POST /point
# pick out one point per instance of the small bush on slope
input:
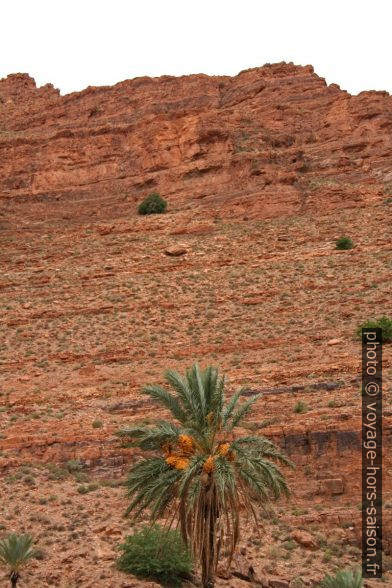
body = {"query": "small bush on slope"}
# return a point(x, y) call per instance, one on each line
point(383, 322)
point(344, 243)
point(157, 554)
point(300, 407)
point(152, 204)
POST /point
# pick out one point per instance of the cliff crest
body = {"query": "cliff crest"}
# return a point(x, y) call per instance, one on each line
point(272, 140)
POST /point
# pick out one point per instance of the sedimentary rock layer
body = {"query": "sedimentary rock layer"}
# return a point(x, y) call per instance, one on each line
point(272, 140)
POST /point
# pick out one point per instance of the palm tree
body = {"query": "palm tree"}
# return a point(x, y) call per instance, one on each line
point(15, 551)
point(343, 579)
point(199, 472)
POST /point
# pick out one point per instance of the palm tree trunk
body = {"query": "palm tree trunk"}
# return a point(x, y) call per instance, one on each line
point(209, 554)
point(208, 564)
point(14, 577)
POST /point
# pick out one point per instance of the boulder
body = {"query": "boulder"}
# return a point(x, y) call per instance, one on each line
point(176, 250)
point(334, 341)
point(305, 539)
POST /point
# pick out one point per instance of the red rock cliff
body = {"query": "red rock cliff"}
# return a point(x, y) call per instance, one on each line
point(271, 140)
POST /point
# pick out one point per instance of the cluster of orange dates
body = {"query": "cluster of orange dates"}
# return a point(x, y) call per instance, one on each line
point(179, 457)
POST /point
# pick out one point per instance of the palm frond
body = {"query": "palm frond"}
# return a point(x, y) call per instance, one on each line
point(228, 411)
point(150, 483)
point(167, 400)
point(241, 413)
point(181, 386)
point(209, 376)
point(218, 398)
point(260, 446)
point(150, 437)
point(16, 550)
point(224, 475)
point(343, 579)
point(192, 470)
point(195, 385)
point(201, 390)
point(262, 476)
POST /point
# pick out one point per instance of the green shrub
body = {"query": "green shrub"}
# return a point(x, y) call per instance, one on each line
point(343, 579)
point(39, 554)
point(344, 243)
point(156, 554)
point(56, 472)
point(83, 489)
point(74, 465)
point(152, 204)
point(300, 407)
point(289, 545)
point(86, 489)
point(383, 322)
point(81, 477)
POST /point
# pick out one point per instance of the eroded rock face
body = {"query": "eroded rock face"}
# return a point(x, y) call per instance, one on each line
point(272, 140)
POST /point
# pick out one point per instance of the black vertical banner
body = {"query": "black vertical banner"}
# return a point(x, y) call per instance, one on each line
point(372, 453)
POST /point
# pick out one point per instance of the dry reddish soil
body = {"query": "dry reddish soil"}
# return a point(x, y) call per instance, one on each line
point(92, 308)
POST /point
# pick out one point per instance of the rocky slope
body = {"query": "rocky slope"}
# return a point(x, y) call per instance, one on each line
point(262, 173)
